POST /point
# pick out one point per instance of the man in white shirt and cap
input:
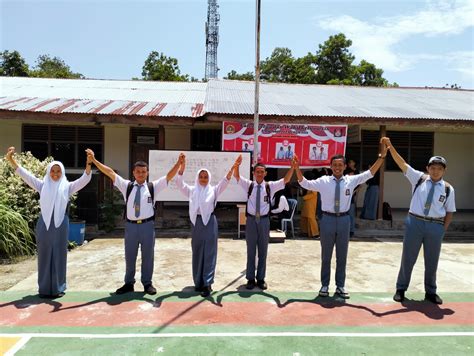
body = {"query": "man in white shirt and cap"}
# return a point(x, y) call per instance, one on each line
point(431, 211)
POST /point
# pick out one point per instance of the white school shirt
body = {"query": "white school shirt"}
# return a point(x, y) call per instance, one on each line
point(37, 183)
point(326, 186)
point(439, 205)
point(282, 205)
point(146, 201)
point(264, 202)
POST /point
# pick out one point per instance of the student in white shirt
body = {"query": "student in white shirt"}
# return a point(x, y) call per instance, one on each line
point(140, 219)
point(257, 227)
point(336, 193)
point(204, 233)
point(53, 223)
point(431, 211)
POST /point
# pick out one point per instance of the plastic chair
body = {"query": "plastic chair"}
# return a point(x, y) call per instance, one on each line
point(284, 222)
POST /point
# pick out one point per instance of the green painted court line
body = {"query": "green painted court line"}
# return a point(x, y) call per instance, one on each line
point(250, 346)
point(227, 296)
point(232, 329)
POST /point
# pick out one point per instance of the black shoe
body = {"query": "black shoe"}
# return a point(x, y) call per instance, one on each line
point(206, 291)
point(433, 298)
point(127, 287)
point(342, 292)
point(149, 289)
point(399, 296)
point(250, 284)
point(59, 295)
point(261, 284)
point(198, 289)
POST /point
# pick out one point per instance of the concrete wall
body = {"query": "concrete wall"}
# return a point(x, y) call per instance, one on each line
point(10, 135)
point(117, 148)
point(177, 138)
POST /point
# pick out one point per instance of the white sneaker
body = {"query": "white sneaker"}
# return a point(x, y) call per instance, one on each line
point(340, 291)
point(324, 291)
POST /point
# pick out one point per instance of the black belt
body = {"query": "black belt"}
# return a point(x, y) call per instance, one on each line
point(141, 221)
point(425, 218)
point(253, 216)
point(336, 214)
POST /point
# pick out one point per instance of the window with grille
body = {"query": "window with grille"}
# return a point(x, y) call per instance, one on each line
point(64, 143)
point(416, 148)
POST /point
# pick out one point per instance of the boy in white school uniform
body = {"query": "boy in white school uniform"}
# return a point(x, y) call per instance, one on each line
point(336, 193)
point(431, 211)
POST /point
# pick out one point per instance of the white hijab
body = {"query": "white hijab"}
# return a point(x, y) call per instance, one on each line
point(54, 196)
point(202, 198)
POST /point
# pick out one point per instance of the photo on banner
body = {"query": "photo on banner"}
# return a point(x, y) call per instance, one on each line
point(278, 143)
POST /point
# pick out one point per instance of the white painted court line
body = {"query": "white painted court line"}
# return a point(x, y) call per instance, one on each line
point(18, 345)
point(250, 334)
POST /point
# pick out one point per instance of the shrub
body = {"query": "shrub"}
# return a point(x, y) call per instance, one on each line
point(16, 237)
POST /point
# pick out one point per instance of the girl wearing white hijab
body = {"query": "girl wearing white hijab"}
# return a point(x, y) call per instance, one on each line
point(53, 224)
point(202, 201)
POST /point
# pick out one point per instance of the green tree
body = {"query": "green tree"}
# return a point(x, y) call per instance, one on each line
point(233, 75)
point(305, 71)
point(160, 67)
point(279, 67)
point(333, 59)
point(47, 67)
point(367, 74)
point(12, 64)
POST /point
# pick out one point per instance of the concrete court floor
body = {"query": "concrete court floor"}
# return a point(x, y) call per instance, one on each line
point(291, 266)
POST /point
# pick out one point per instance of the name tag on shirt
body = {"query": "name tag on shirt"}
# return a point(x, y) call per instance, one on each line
point(150, 200)
point(348, 192)
point(442, 198)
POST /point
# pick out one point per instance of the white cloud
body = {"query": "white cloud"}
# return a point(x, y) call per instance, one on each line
point(378, 42)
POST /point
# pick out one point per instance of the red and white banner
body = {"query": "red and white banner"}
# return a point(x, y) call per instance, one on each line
point(313, 144)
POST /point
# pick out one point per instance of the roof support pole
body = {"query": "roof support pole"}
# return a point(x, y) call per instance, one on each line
point(383, 132)
point(257, 82)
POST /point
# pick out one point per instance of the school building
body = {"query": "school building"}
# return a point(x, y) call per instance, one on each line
point(122, 120)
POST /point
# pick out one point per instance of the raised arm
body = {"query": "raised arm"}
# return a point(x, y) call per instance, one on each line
point(236, 167)
point(295, 164)
point(83, 180)
point(289, 174)
point(9, 157)
point(378, 163)
point(182, 186)
point(26, 175)
point(172, 172)
point(395, 155)
point(109, 172)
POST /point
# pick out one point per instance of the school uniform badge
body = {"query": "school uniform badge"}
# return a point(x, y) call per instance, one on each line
point(442, 198)
point(348, 192)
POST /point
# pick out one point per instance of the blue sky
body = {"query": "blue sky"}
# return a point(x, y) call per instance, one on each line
point(415, 42)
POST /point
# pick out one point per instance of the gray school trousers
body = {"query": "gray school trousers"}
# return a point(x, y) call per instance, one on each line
point(334, 230)
point(142, 235)
point(417, 233)
point(257, 235)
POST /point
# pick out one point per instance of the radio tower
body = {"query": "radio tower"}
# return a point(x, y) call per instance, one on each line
point(212, 39)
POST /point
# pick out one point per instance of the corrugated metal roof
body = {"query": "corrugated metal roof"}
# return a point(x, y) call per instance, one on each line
point(234, 97)
point(102, 97)
point(185, 99)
